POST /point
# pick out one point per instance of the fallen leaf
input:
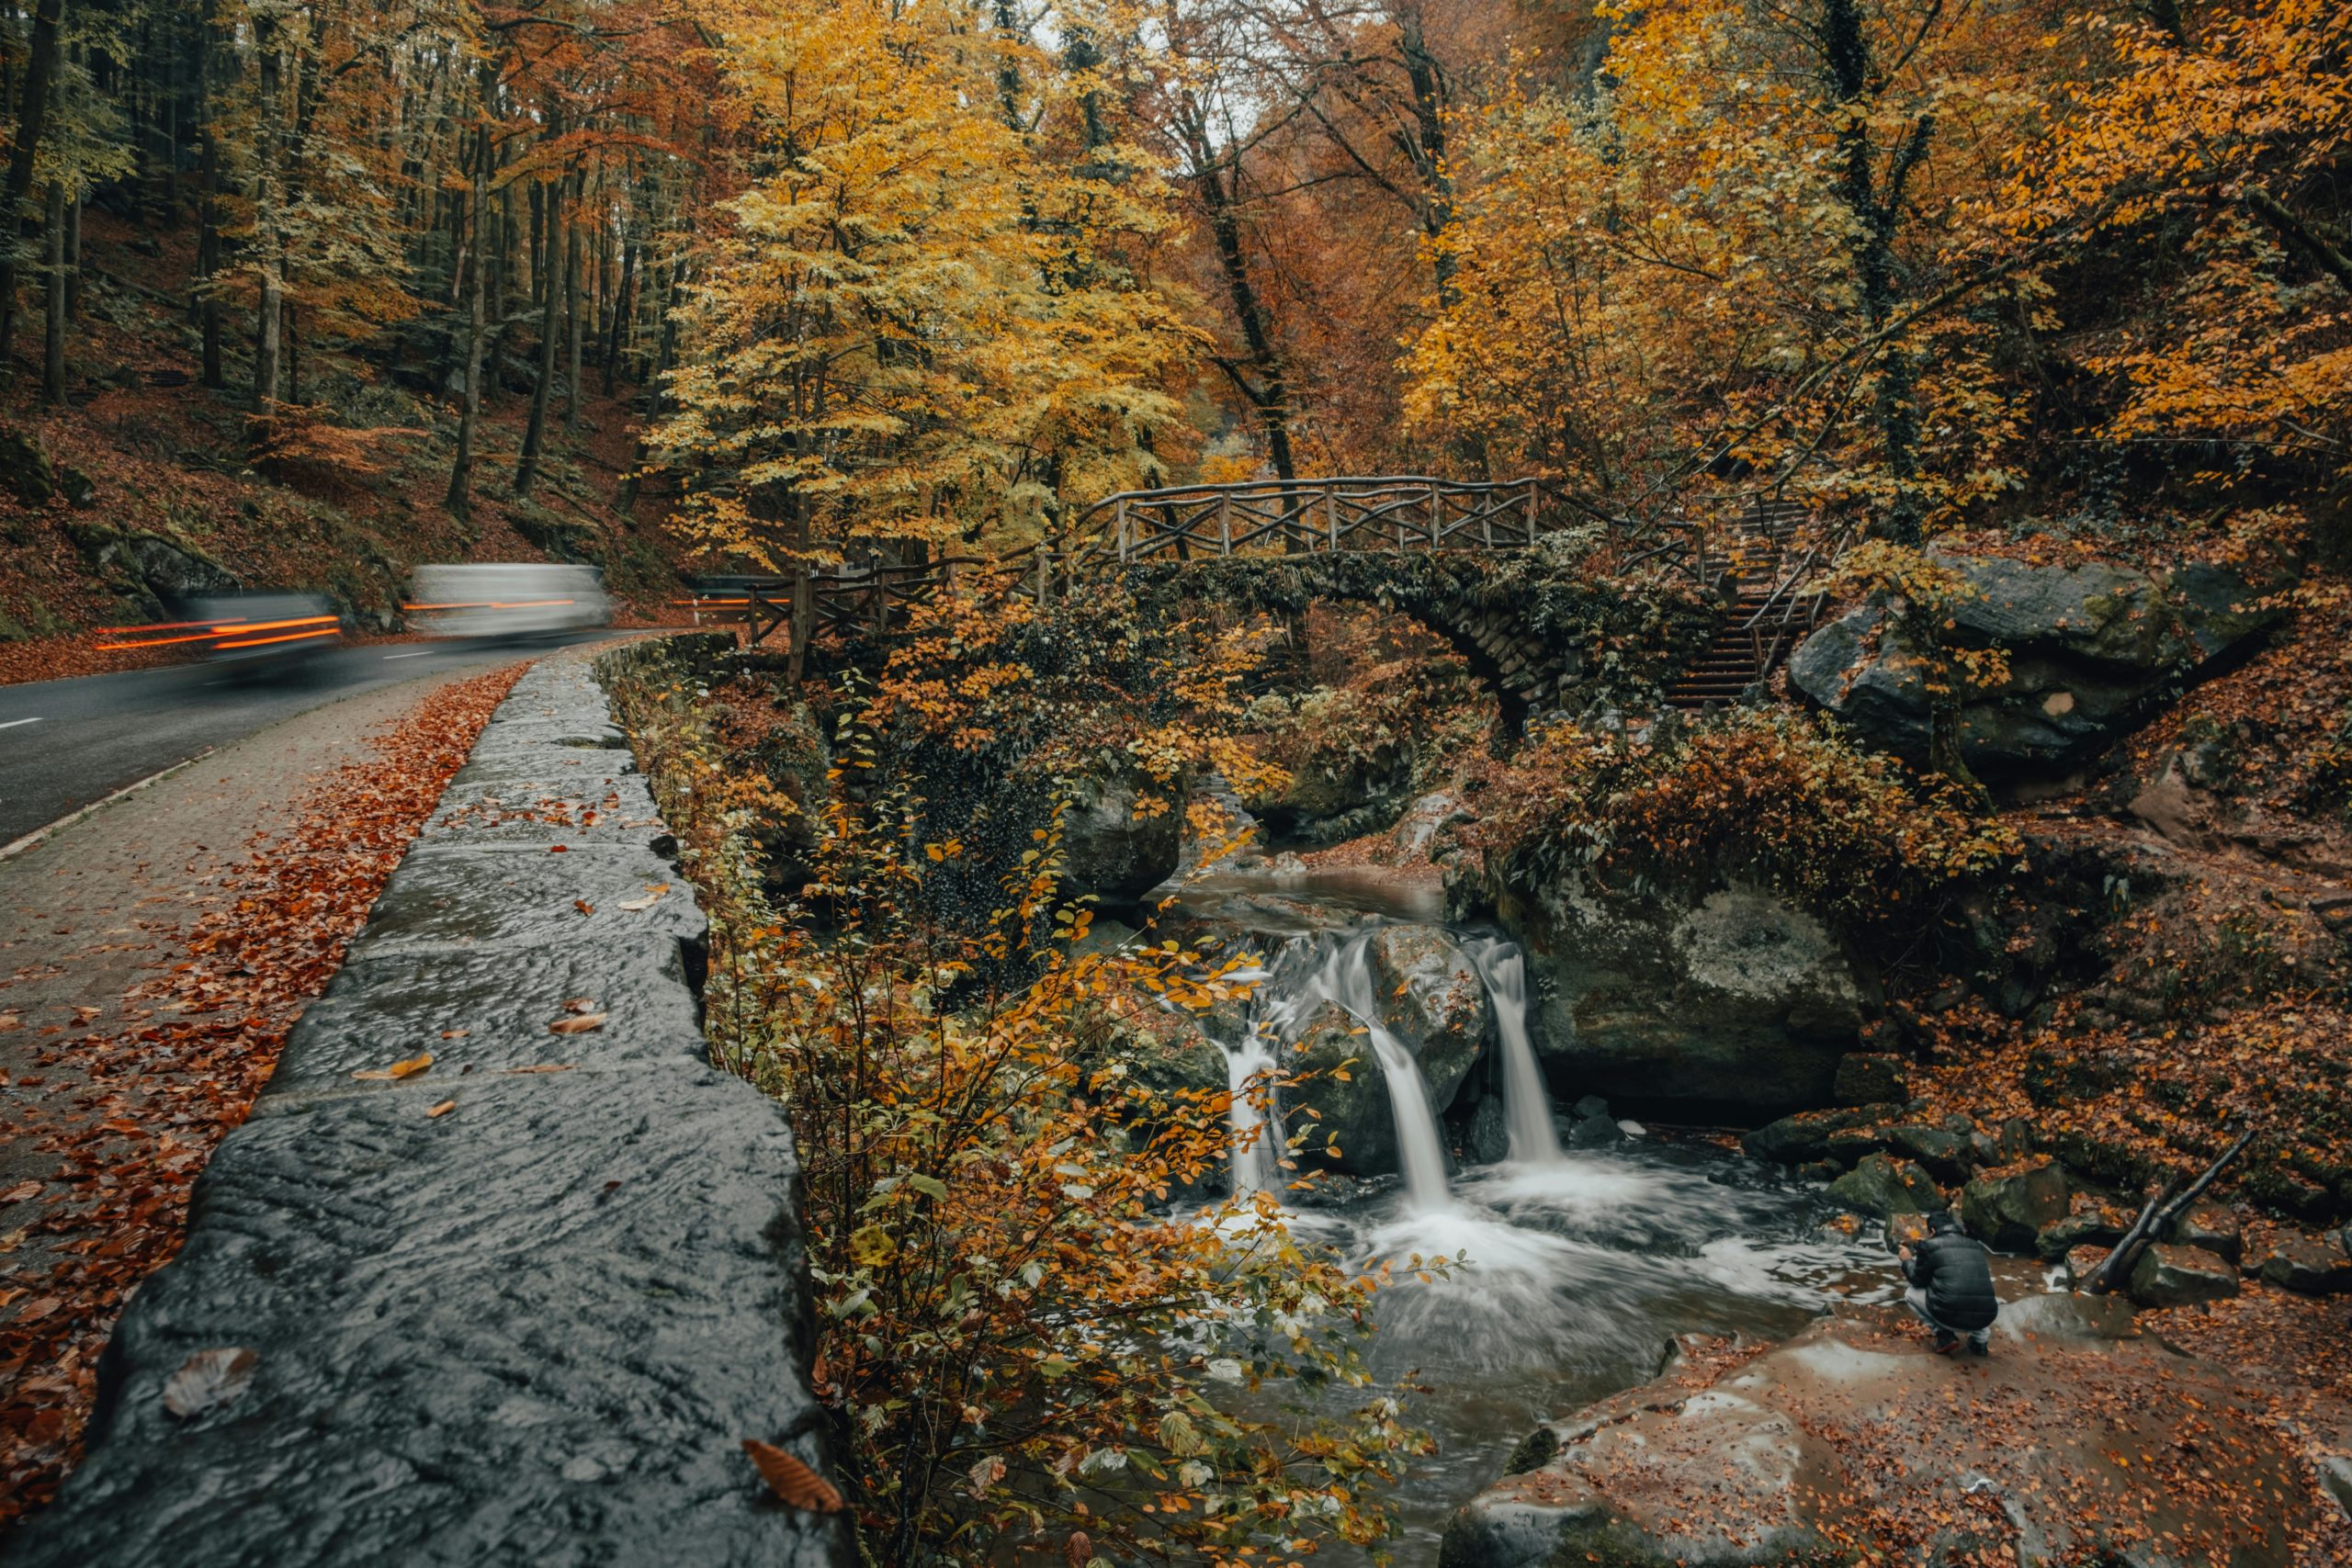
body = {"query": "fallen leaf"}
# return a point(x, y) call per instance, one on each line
point(578, 1024)
point(792, 1479)
point(398, 1070)
point(584, 906)
point(443, 1109)
point(543, 1068)
point(558, 849)
point(207, 1379)
point(652, 896)
point(1078, 1551)
point(580, 1004)
point(455, 1033)
point(21, 1192)
point(10, 1020)
point(39, 1308)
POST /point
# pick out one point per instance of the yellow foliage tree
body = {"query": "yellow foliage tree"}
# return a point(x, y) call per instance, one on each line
point(924, 321)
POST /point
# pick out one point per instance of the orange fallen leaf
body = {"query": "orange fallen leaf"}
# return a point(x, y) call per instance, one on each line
point(443, 1109)
point(543, 1068)
point(584, 906)
point(398, 1070)
point(455, 1033)
point(1078, 1550)
point(791, 1479)
point(20, 1191)
point(578, 1024)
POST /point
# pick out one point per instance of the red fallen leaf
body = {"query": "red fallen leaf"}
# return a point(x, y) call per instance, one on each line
point(578, 1024)
point(558, 849)
point(21, 1192)
point(1078, 1551)
point(543, 1068)
point(792, 1479)
point(208, 1378)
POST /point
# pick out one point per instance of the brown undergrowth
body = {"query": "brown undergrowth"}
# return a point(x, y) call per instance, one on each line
point(138, 1113)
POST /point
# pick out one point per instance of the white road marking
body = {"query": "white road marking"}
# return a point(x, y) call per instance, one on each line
point(38, 835)
point(424, 654)
point(13, 722)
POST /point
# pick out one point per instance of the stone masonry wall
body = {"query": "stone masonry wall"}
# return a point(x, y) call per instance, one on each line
point(532, 1328)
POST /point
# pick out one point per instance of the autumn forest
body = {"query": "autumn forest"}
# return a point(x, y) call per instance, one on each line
point(1238, 782)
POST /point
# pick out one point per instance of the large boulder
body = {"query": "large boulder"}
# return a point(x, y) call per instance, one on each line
point(2308, 1265)
point(1343, 1101)
point(2170, 1276)
point(1737, 1000)
point(2091, 649)
point(1430, 998)
point(1122, 835)
point(1882, 1187)
point(2007, 1210)
point(2065, 1447)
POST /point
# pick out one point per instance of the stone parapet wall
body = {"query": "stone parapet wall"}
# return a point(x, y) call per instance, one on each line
point(520, 1307)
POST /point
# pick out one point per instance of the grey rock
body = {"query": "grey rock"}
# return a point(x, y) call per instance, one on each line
point(1109, 850)
point(2097, 1227)
point(1884, 1187)
point(1431, 999)
point(2170, 1276)
point(1946, 1155)
point(1354, 1112)
point(2211, 1226)
point(2008, 1211)
point(1594, 1133)
point(1808, 1136)
point(2090, 647)
point(2308, 1265)
point(1736, 999)
point(1487, 1139)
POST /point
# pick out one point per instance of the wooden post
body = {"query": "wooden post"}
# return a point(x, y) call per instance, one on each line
point(1122, 532)
point(1331, 517)
point(1044, 549)
point(1531, 512)
point(1437, 518)
point(1225, 525)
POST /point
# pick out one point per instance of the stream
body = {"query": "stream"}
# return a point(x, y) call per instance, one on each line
point(1580, 1263)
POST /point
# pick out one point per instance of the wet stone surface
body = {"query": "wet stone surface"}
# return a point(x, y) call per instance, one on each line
point(501, 1317)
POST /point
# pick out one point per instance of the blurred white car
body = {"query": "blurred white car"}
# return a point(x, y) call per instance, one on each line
point(507, 600)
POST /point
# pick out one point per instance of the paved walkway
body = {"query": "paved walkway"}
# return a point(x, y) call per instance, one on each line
point(92, 921)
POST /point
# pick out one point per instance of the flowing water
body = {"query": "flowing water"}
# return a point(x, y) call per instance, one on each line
point(1575, 1268)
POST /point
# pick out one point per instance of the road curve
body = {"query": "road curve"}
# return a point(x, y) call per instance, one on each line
point(66, 743)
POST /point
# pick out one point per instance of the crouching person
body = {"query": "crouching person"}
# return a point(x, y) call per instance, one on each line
point(1952, 1286)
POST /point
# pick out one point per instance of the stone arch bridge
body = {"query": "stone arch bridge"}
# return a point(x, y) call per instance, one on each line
point(1501, 571)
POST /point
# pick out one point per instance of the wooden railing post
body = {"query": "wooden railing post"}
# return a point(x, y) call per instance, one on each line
point(1331, 517)
point(1225, 525)
point(1123, 531)
point(1437, 518)
point(1531, 513)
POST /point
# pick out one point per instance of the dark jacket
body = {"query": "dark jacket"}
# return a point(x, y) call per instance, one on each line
point(1957, 1275)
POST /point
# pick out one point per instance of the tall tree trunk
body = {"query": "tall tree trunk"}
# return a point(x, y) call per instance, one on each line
point(572, 304)
point(268, 211)
point(40, 72)
point(52, 359)
point(1270, 393)
point(620, 315)
point(552, 208)
point(460, 498)
point(208, 234)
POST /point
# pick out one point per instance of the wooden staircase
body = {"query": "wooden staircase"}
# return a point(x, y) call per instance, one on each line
point(1770, 611)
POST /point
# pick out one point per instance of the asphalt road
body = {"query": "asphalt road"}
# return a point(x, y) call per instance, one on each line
point(66, 743)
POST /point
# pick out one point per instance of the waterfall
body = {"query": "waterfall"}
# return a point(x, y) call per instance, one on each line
point(1256, 1132)
point(1527, 1104)
point(1337, 967)
point(1344, 976)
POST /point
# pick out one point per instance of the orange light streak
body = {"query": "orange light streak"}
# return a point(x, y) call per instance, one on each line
point(266, 641)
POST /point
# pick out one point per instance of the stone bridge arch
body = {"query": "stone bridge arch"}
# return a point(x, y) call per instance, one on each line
point(1538, 634)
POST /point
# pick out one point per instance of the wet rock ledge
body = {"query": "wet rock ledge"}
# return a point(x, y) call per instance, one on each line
point(520, 1307)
